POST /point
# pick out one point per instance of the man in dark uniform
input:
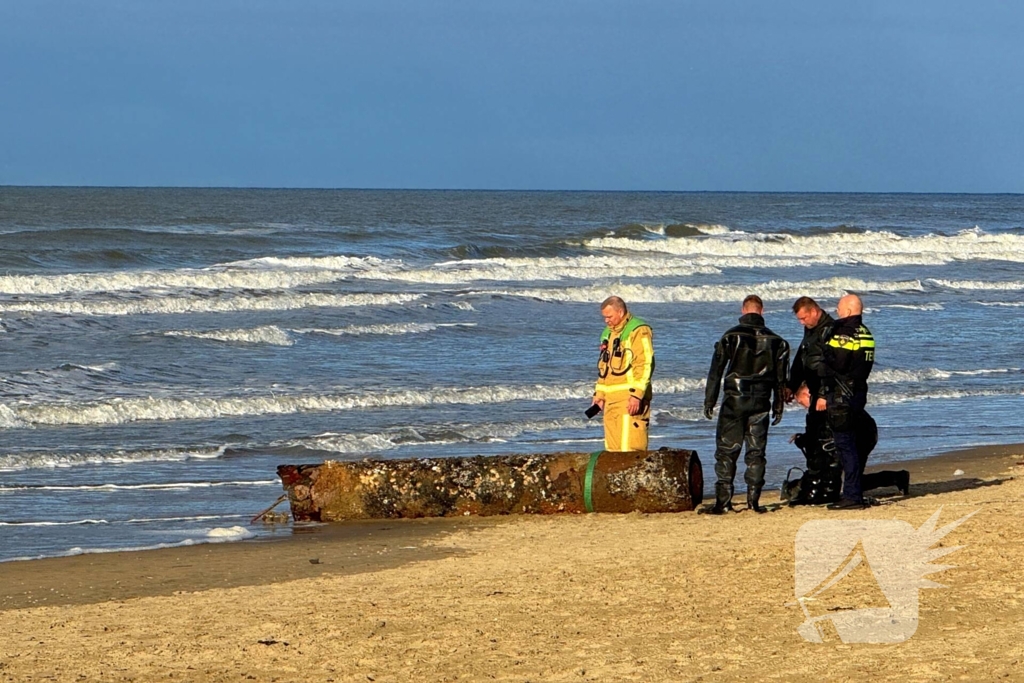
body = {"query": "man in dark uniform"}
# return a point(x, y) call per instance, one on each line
point(755, 363)
point(808, 361)
point(849, 357)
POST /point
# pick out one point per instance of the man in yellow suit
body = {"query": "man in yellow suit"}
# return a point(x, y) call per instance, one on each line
point(624, 369)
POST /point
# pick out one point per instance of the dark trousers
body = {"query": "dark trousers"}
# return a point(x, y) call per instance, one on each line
point(741, 421)
point(844, 415)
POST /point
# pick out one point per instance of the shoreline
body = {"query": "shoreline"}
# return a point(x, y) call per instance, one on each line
point(344, 548)
point(599, 597)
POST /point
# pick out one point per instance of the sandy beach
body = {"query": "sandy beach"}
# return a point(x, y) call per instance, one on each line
point(673, 597)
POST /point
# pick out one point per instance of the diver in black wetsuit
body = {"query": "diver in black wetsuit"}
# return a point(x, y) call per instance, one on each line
point(808, 362)
point(755, 364)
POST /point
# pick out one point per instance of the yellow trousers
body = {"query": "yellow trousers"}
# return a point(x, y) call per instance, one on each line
point(622, 431)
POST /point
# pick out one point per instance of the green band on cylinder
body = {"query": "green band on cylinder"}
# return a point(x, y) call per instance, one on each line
point(588, 482)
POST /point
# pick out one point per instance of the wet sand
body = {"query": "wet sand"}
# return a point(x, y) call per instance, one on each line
point(673, 597)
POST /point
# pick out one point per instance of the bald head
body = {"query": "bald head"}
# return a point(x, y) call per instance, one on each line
point(849, 305)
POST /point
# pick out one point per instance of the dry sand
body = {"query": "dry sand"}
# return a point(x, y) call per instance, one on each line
point(674, 597)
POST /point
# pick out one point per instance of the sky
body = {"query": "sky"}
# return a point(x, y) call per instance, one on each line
point(890, 96)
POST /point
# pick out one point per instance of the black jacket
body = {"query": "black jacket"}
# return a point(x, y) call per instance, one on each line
point(809, 363)
point(754, 360)
point(849, 356)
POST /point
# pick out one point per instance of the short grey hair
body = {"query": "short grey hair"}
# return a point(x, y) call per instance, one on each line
point(614, 302)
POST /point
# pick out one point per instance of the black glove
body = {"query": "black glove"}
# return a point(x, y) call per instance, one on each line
point(776, 415)
point(709, 412)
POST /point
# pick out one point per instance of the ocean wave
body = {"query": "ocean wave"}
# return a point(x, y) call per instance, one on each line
point(650, 230)
point(940, 395)
point(987, 285)
point(178, 485)
point(150, 408)
point(268, 334)
point(14, 462)
point(143, 520)
point(194, 518)
point(216, 304)
point(877, 248)
point(216, 535)
point(681, 414)
point(126, 410)
point(545, 269)
point(896, 376)
point(258, 274)
point(276, 336)
point(76, 522)
point(933, 306)
point(1002, 304)
point(435, 435)
point(382, 329)
point(774, 290)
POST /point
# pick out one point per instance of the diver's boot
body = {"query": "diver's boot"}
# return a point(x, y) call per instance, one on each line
point(723, 499)
point(753, 496)
point(903, 482)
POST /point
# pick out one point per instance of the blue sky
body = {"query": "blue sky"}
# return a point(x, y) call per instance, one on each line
point(911, 95)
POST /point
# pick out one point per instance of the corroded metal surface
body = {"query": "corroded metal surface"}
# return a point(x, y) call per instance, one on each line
point(653, 481)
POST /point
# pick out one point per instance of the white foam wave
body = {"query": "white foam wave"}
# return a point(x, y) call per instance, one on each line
point(450, 434)
point(1004, 304)
point(220, 537)
point(9, 418)
point(233, 533)
point(45, 460)
point(196, 518)
point(347, 264)
point(684, 414)
point(948, 394)
point(896, 376)
point(877, 248)
point(125, 410)
point(276, 336)
point(933, 306)
point(76, 522)
point(774, 290)
point(219, 304)
point(268, 334)
point(257, 274)
point(180, 485)
point(1011, 286)
point(383, 329)
point(545, 269)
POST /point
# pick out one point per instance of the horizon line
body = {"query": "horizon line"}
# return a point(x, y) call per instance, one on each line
point(472, 189)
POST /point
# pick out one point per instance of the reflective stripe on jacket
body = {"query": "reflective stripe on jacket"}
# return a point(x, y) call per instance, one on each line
point(626, 361)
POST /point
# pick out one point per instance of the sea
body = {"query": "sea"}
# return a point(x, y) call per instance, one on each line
point(162, 351)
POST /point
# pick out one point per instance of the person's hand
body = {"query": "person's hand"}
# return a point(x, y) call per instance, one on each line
point(793, 438)
point(633, 407)
point(787, 395)
point(709, 412)
point(599, 402)
point(820, 405)
point(777, 415)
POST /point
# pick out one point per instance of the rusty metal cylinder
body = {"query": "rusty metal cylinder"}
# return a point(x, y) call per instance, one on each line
point(665, 480)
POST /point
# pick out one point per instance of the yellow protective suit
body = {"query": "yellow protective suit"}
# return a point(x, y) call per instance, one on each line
point(624, 369)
